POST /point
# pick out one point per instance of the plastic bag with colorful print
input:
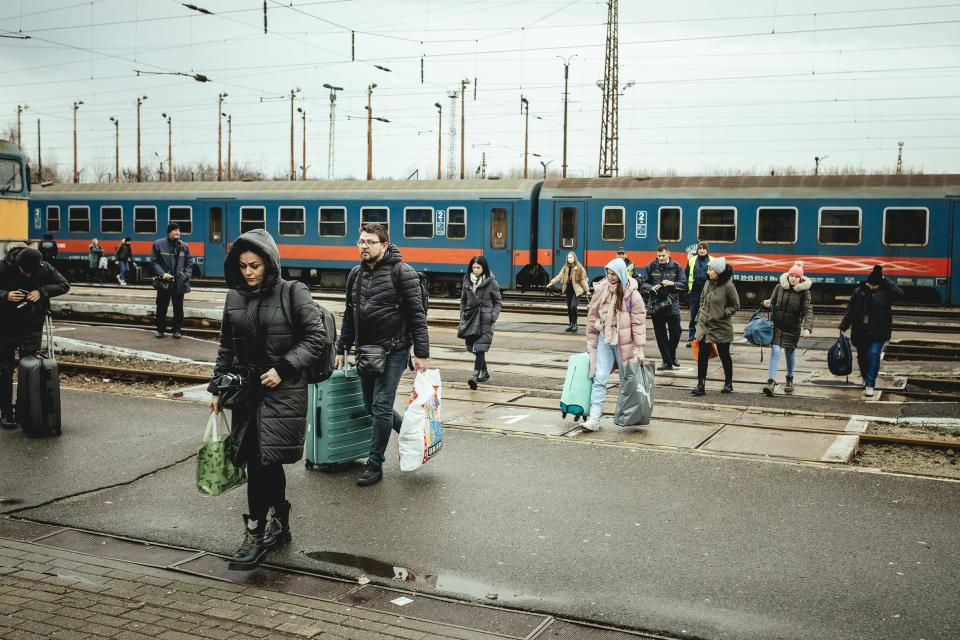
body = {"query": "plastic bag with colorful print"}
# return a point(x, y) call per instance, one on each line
point(421, 434)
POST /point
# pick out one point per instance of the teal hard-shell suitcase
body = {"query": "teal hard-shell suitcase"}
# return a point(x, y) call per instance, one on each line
point(338, 424)
point(575, 397)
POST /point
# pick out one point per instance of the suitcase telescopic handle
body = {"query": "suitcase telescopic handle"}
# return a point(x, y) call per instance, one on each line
point(51, 352)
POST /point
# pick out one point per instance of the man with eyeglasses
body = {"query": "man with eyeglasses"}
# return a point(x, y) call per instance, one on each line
point(384, 313)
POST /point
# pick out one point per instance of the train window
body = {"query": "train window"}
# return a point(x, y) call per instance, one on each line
point(839, 226)
point(10, 175)
point(375, 215)
point(252, 218)
point(498, 228)
point(216, 224)
point(418, 222)
point(293, 221)
point(717, 224)
point(111, 219)
point(145, 220)
point(568, 227)
point(333, 222)
point(668, 224)
point(78, 219)
point(777, 225)
point(614, 226)
point(183, 216)
point(456, 223)
point(905, 227)
point(53, 219)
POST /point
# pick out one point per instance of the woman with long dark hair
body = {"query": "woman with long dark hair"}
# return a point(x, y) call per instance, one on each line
point(480, 290)
point(272, 350)
point(573, 284)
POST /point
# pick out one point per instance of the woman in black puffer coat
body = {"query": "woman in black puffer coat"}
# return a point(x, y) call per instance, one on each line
point(792, 315)
point(480, 288)
point(256, 332)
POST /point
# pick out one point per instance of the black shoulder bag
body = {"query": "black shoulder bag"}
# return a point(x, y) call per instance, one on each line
point(162, 284)
point(371, 358)
point(238, 388)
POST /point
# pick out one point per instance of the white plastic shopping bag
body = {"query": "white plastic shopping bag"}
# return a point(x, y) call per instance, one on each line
point(421, 434)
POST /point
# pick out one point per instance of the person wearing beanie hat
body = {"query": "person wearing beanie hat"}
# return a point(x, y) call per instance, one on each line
point(27, 282)
point(616, 332)
point(696, 278)
point(663, 280)
point(869, 316)
point(791, 309)
point(172, 267)
point(48, 248)
point(718, 302)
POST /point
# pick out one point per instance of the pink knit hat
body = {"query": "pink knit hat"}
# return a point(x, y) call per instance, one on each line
point(796, 269)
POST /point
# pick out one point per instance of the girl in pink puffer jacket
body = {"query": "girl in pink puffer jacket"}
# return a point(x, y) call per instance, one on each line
point(616, 331)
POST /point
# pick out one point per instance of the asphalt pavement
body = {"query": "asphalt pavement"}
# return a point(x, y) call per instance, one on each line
point(682, 543)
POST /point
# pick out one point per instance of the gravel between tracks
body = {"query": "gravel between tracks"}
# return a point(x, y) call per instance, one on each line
point(908, 459)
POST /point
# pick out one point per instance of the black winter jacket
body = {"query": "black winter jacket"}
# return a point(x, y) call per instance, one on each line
point(869, 313)
point(167, 258)
point(487, 296)
point(791, 310)
point(666, 297)
point(47, 280)
point(385, 311)
point(288, 345)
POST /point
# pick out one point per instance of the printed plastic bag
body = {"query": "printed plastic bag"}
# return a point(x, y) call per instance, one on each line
point(216, 472)
point(421, 434)
point(635, 402)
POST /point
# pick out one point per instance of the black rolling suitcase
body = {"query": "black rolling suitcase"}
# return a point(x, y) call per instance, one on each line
point(38, 392)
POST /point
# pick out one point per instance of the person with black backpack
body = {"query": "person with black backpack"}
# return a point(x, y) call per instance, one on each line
point(272, 339)
point(385, 315)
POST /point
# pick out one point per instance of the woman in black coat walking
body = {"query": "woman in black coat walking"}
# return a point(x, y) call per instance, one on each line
point(258, 338)
point(480, 289)
point(869, 316)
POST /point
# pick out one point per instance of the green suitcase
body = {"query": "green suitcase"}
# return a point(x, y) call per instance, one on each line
point(339, 427)
point(575, 397)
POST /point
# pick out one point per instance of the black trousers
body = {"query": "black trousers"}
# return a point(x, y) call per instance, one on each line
point(573, 303)
point(480, 361)
point(666, 326)
point(266, 483)
point(724, 350)
point(163, 303)
point(28, 343)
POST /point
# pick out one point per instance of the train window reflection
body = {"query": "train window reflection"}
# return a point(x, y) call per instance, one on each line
point(293, 221)
point(839, 225)
point(498, 228)
point(78, 219)
point(145, 220)
point(183, 216)
point(777, 225)
point(717, 224)
point(418, 222)
point(456, 223)
point(668, 224)
point(111, 220)
point(375, 215)
point(252, 218)
point(216, 224)
point(614, 226)
point(905, 227)
point(53, 219)
point(568, 227)
point(333, 222)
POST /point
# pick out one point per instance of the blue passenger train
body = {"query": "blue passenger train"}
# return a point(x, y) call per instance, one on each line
point(839, 225)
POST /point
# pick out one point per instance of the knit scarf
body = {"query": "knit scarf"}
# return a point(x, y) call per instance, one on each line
point(476, 280)
point(608, 318)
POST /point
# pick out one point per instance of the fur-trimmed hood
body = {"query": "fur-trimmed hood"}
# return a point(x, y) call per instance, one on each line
point(804, 284)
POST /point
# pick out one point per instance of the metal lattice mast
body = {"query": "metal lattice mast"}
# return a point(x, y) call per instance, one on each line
point(332, 135)
point(609, 164)
point(452, 143)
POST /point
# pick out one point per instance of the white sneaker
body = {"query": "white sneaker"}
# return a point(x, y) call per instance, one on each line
point(592, 423)
point(868, 392)
point(119, 279)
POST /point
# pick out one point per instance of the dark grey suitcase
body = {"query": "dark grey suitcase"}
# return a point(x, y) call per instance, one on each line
point(38, 392)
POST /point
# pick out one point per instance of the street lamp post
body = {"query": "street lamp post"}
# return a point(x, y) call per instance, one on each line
point(293, 170)
point(303, 167)
point(566, 77)
point(331, 137)
point(139, 172)
point(220, 136)
point(439, 137)
point(76, 174)
point(20, 109)
point(816, 164)
point(116, 144)
point(229, 118)
point(463, 122)
point(525, 107)
point(169, 120)
point(370, 89)
point(545, 167)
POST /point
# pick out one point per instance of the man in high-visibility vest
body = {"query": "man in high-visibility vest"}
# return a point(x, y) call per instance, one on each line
point(696, 278)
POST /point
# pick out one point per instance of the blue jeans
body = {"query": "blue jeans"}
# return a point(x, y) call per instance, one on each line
point(606, 355)
point(379, 394)
point(868, 359)
point(124, 266)
point(775, 360)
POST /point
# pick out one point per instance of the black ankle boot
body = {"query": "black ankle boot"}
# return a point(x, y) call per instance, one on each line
point(254, 547)
point(279, 527)
point(699, 390)
point(8, 420)
point(727, 387)
point(484, 375)
point(474, 379)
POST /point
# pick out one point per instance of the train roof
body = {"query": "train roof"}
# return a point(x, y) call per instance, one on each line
point(283, 190)
point(8, 148)
point(926, 185)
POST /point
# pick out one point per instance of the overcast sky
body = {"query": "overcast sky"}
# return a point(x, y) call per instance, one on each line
point(746, 85)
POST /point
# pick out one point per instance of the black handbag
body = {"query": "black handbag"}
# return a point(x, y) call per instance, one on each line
point(371, 360)
point(236, 389)
point(469, 328)
point(161, 284)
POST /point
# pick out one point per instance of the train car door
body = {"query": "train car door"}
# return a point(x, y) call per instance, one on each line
point(498, 247)
point(953, 288)
point(215, 251)
point(570, 227)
